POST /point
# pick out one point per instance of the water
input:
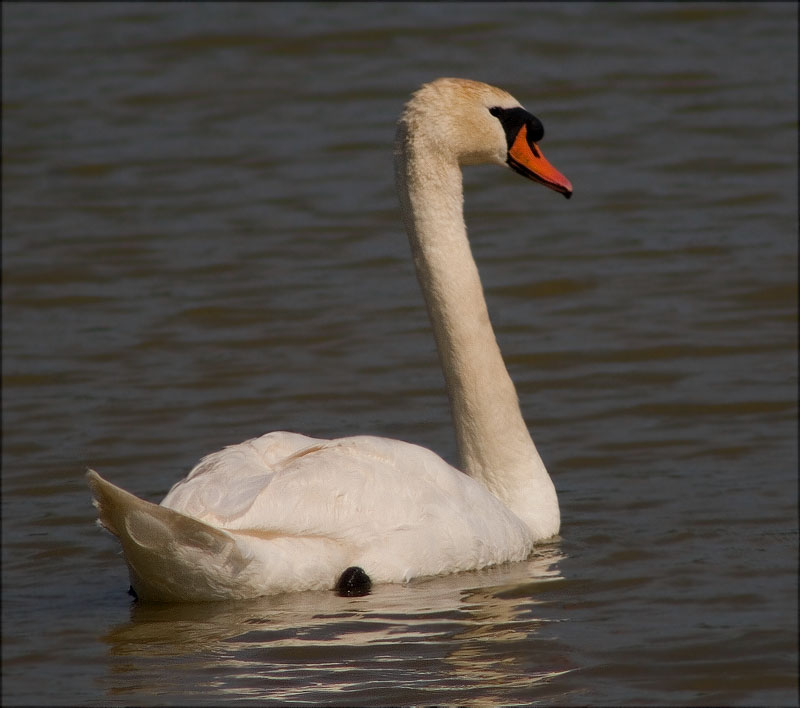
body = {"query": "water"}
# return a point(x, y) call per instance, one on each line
point(201, 243)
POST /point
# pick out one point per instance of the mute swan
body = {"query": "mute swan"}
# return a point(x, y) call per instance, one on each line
point(289, 512)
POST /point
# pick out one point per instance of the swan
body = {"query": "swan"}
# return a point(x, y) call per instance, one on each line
point(287, 512)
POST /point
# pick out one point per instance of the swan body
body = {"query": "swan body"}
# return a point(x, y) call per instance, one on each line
point(289, 512)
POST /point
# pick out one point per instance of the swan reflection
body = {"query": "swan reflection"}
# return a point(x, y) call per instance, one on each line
point(445, 635)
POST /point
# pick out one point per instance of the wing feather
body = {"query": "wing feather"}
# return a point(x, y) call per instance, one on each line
point(372, 495)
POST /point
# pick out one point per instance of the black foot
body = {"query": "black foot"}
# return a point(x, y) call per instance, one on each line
point(353, 582)
point(132, 593)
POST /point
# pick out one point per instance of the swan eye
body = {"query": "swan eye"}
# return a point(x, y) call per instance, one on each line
point(512, 120)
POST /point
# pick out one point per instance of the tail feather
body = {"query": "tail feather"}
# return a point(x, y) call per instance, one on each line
point(170, 556)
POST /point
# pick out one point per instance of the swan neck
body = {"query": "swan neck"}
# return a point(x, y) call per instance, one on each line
point(494, 444)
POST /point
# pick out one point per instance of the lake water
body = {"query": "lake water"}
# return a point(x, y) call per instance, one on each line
point(201, 243)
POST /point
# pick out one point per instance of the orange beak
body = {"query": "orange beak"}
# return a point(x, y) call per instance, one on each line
point(527, 159)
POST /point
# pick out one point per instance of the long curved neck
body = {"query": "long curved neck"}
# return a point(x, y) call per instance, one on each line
point(493, 441)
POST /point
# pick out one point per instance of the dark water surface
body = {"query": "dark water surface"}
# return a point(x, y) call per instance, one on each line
point(201, 243)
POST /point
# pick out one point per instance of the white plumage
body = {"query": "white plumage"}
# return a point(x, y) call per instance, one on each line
point(289, 512)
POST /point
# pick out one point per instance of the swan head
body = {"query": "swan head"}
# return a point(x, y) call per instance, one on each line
point(475, 123)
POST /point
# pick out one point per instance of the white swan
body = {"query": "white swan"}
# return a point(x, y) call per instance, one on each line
point(288, 512)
